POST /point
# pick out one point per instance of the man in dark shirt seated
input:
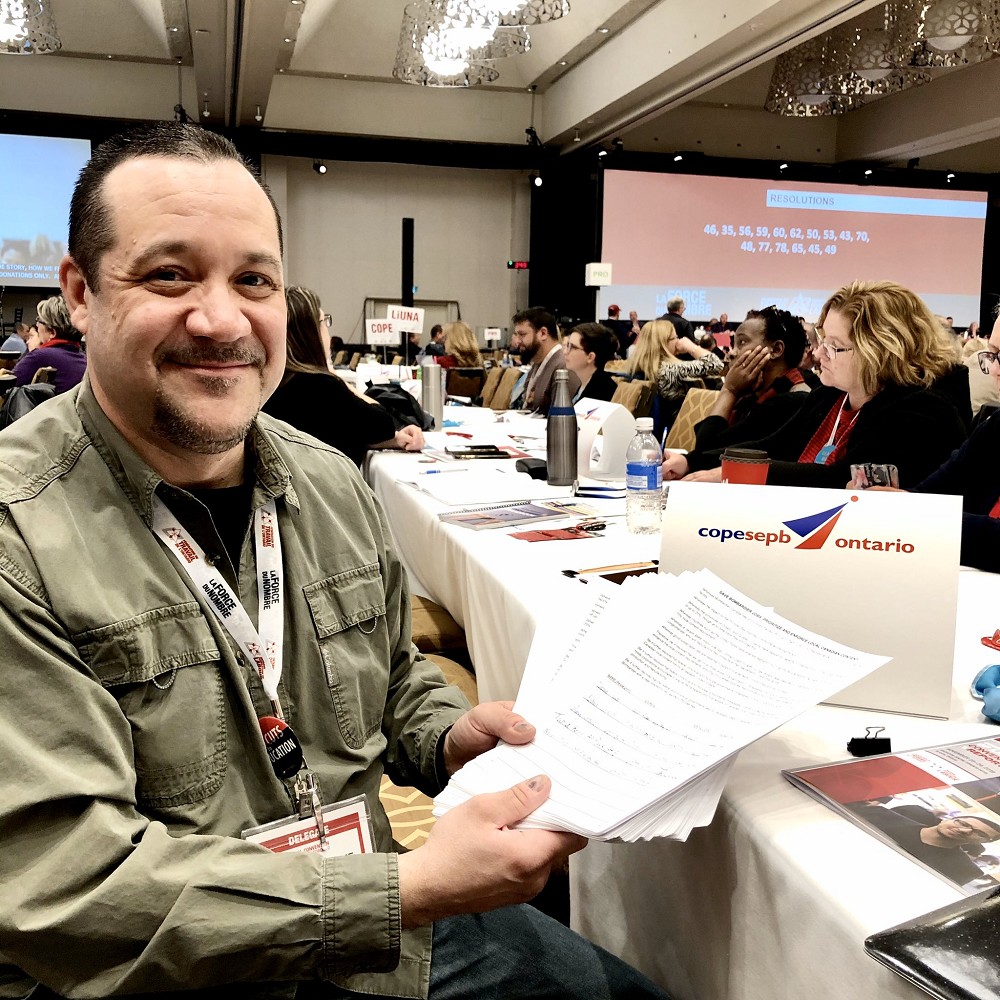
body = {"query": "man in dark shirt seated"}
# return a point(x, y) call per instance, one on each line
point(939, 845)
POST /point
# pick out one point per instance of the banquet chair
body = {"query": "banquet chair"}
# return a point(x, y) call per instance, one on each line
point(340, 358)
point(397, 359)
point(467, 382)
point(696, 406)
point(501, 398)
point(636, 396)
point(489, 390)
point(616, 365)
point(44, 375)
point(355, 358)
point(8, 359)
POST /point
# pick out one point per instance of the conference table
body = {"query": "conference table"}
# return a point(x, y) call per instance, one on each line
point(773, 899)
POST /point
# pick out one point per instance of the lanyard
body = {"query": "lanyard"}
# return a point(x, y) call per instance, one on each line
point(262, 645)
point(533, 378)
point(827, 450)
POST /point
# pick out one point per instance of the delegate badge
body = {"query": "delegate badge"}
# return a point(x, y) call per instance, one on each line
point(282, 745)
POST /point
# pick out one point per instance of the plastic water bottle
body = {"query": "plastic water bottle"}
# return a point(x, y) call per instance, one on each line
point(561, 433)
point(643, 481)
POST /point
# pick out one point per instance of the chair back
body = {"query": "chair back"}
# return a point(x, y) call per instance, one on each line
point(464, 382)
point(45, 376)
point(397, 359)
point(8, 359)
point(636, 396)
point(493, 377)
point(696, 406)
point(355, 358)
point(616, 365)
point(340, 358)
point(501, 398)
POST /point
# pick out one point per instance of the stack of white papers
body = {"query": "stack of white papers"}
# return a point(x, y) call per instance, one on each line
point(480, 482)
point(643, 701)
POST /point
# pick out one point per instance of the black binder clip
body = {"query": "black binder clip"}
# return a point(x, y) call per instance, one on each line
point(871, 744)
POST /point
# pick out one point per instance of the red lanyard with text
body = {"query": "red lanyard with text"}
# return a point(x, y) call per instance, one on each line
point(261, 645)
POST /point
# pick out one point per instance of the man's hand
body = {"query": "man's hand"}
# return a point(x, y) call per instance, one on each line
point(745, 372)
point(675, 465)
point(410, 438)
point(479, 730)
point(705, 476)
point(472, 860)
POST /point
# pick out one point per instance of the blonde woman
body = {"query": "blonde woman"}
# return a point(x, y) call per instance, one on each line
point(655, 358)
point(891, 393)
point(460, 347)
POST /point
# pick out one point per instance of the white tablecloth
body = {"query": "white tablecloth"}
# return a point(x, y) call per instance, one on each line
point(774, 899)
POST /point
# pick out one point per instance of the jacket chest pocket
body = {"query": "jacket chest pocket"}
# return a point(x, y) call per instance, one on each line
point(348, 612)
point(163, 668)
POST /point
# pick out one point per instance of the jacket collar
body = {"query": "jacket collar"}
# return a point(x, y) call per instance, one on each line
point(140, 482)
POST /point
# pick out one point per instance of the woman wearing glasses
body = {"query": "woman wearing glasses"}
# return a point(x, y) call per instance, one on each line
point(320, 403)
point(588, 348)
point(892, 393)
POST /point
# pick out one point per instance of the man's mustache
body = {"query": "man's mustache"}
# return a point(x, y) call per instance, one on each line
point(216, 354)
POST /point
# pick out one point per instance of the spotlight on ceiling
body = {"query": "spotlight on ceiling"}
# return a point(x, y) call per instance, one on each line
point(678, 157)
point(950, 177)
point(536, 179)
point(319, 166)
point(617, 145)
point(602, 152)
point(784, 166)
point(869, 172)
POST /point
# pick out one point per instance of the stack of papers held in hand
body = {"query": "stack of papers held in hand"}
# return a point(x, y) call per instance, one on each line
point(642, 703)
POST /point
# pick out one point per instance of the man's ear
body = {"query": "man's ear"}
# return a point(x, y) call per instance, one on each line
point(777, 348)
point(75, 292)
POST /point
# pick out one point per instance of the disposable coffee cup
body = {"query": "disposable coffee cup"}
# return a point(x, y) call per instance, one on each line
point(746, 466)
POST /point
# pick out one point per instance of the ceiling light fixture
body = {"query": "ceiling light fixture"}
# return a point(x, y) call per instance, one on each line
point(319, 166)
point(258, 117)
point(603, 31)
point(27, 27)
point(950, 177)
point(536, 180)
point(678, 157)
point(784, 166)
point(576, 135)
point(869, 172)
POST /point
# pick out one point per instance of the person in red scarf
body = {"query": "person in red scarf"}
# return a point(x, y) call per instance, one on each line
point(763, 388)
point(61, 347)
point(893, 392)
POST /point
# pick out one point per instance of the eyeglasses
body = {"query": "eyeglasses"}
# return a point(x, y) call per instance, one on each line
point(831, 351)
point(327, 320)
point(568, 346)
point(966, 827)
point(986, 359)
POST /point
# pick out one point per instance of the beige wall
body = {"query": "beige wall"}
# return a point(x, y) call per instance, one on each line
point(343, 229)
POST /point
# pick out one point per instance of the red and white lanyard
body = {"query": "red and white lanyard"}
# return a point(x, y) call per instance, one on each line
point(262, 645)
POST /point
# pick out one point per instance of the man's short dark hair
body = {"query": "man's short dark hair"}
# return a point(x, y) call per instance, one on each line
point(783, 326)
point(537, 318)
point(91, 232)
point(435, 330)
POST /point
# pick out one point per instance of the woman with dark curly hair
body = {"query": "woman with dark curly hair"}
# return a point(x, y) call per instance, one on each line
point(893, 392)
point(763, 387)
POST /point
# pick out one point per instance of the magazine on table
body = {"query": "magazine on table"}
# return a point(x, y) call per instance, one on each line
point(508, 514)
point(938, 806)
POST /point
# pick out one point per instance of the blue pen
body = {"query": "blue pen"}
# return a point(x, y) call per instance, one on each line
point(436, 472)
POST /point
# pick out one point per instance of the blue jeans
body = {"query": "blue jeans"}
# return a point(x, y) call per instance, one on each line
point(517, 953)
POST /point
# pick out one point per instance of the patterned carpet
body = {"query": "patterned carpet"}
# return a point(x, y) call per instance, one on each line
point(409, 813)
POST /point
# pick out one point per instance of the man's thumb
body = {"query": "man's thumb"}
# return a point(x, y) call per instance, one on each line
point(521, 800)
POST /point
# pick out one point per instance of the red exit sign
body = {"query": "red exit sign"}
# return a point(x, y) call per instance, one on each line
point(517, 265)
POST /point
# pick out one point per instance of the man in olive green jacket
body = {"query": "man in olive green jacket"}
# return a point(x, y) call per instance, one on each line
point(132, 756)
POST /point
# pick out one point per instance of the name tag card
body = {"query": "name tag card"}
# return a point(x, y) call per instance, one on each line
point(408, 319)
point(615, 425)
point(383, 332)
point(876, 571)
point(347, 824)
